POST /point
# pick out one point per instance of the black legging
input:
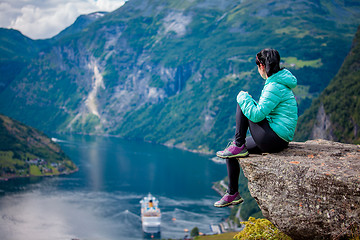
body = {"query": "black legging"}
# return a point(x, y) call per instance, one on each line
point(262, 139)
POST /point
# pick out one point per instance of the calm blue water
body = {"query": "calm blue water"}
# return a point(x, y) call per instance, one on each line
point(101, 201)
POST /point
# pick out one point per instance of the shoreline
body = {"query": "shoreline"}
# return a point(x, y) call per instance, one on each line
point(4, 179)
point(166, 144)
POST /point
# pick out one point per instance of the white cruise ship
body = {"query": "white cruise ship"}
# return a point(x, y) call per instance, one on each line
point(150, 215)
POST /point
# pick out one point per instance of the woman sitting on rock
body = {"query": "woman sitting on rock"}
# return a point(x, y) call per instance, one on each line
point(271, 121)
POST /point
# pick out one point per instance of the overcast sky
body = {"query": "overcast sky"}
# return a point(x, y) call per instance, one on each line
point(39, 19)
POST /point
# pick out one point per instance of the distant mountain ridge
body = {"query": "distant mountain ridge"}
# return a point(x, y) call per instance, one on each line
point(169, 71)
point(80, 24)
point(24, 151)
point(335, 115)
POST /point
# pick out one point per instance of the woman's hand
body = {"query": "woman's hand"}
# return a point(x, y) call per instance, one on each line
point(241, 94)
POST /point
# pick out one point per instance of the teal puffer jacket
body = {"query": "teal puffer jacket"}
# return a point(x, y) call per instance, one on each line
point(277, 104)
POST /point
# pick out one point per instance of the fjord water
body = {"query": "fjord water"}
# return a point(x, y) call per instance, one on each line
point(101, 200)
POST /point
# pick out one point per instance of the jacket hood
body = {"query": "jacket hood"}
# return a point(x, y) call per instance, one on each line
point(284, 77)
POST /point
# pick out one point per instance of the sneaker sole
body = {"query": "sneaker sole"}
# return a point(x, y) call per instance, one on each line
point(224, 205)
point(241, 155)
point(230, 203)
point(237, 202)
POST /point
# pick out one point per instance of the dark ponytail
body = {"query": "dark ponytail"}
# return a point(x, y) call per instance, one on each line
point(270, 58)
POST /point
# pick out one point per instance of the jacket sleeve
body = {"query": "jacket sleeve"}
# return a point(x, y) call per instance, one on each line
point(256, 112)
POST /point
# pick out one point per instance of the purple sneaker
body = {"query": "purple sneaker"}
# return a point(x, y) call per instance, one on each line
point(233, 151)
point(228, 199)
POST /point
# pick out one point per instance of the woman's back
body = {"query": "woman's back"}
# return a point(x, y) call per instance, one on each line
point(283, 118)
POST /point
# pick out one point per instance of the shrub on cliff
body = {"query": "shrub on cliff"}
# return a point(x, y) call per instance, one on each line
point(260, 229)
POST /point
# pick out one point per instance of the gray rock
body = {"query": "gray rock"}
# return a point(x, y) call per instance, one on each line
point(310, 190)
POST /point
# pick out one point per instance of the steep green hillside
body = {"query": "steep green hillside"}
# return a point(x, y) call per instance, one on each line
point(16, 51)
point(24, 151)
point(169, 71)
point(338, 104)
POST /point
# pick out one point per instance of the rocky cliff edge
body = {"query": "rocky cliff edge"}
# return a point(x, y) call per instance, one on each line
point(310, 190)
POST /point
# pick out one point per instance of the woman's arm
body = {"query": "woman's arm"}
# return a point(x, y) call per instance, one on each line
point(256, 112)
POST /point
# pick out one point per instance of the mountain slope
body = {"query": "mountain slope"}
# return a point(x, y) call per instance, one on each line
point(335, 115)
point(16, 51)
point(169, 71)
point(24, 151)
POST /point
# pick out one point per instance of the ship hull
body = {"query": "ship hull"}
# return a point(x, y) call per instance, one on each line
point(151, 224)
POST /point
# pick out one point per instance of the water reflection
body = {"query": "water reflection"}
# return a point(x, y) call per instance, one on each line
point(37, 216)
point(95, 155)
point(101, 200)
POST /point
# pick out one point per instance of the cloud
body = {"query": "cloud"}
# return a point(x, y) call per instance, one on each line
point(40, 19)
